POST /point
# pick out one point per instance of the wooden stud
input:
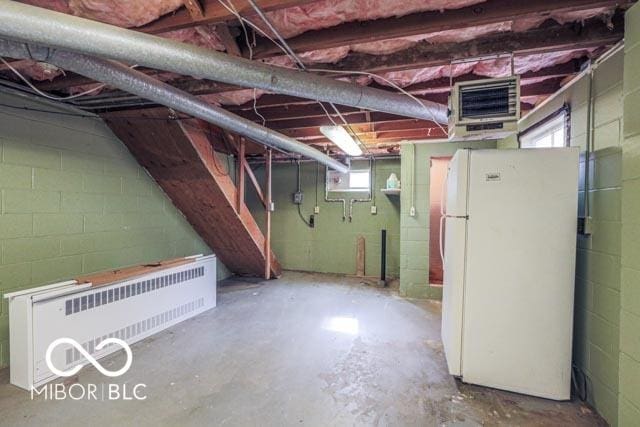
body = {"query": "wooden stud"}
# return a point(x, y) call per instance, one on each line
point(228, 40)
point(254, 181)
point(240, 175)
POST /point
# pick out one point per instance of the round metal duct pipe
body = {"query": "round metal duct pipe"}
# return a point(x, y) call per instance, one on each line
point(118, 75)
point(47, 28)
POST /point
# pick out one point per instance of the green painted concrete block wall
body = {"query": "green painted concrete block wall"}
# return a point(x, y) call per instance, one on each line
point(414, 230)
point(330, 247)
point(75, 201)
point(597, 303)
point(629, 408)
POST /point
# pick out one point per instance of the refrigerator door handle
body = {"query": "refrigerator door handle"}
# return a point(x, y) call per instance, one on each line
point(444, 194)
point(441, 238)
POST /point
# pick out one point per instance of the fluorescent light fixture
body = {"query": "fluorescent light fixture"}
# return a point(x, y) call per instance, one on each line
point(339, 136)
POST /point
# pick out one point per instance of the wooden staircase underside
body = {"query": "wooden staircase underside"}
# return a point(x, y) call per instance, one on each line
point(179, 156)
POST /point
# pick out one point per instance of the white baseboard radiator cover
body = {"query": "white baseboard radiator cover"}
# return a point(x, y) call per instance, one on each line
point(130, 310)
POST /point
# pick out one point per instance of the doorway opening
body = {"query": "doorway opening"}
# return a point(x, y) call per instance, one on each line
point(437, 176)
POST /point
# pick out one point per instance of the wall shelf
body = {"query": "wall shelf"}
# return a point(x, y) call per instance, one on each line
point(391, 191)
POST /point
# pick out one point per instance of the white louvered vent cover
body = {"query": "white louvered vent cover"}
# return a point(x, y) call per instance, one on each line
point(129, 310)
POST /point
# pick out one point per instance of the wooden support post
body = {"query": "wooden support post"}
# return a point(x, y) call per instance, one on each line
point(240, 175)
point(360, 256)
point(255, 183)
point(267, 202)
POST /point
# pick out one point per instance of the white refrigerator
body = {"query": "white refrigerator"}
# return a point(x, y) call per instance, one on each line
point(510, 220)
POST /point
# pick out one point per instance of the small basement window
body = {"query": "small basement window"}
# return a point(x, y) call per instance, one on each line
point(354, 180)
point(550, 132)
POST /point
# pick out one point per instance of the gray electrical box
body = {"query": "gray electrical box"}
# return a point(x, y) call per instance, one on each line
point(297, 197)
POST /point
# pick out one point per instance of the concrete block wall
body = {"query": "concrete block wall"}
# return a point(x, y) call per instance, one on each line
point(329, 247)
point(74, 201)
point(597, 304)
point(414, 230)
point(629, 401)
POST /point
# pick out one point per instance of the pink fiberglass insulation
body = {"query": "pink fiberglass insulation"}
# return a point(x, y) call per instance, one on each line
point(123, 13)
point(235, 97)
point(295, 20)
point(40, 71)
point(202, 36)
point(56, 5)
point(385, 47)
point(499, 67)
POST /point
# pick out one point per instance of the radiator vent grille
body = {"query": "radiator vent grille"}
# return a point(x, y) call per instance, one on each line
point(109, 296)
point(489, 100)
point(73, 355)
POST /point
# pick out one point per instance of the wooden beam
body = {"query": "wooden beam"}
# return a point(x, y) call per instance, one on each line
point(594, 33)
point(360, 256)
point(254, 181)
point(489, 12)
point(240, 175)
point(195, 9)
point(305, 111)
point(72, 79)
point(228, 40)
point(17, 64)
point(267, 201)
point(214, 12)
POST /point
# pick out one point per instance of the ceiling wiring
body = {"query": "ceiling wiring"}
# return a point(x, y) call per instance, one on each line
point(286, 49)
point(44, 94)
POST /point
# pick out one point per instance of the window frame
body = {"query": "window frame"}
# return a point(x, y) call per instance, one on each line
point(564, 110)
point(349, 190)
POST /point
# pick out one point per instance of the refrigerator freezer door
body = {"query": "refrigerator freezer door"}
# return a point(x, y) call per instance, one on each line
point(456, 191)
point(521, 243)
point(452, 292)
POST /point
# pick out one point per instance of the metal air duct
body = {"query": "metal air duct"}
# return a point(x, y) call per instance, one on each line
point(47, 28)
point(118, 75)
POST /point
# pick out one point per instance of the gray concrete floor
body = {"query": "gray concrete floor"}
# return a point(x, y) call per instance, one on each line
point(307, 349)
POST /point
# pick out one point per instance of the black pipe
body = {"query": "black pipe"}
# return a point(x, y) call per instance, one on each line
point(383, 258)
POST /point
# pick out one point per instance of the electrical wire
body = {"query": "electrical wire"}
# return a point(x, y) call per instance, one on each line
point(298, 179)
point(44, 94)
point(392, 84)
point(231, 8)
point(286, 49)
point(47, 95)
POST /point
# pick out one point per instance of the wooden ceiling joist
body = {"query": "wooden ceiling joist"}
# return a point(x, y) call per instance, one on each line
point(554, 38)
point(440, 87)
point(303, 111)
point(195, 9)
point(489, 12)
point(213, 12)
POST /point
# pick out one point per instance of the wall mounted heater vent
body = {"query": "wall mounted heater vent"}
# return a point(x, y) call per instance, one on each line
point(130, 310)
point(484, 109)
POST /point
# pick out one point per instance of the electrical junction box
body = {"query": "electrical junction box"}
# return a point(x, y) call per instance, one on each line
point(297, 197)
point(316, 210)
point(374, 210)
